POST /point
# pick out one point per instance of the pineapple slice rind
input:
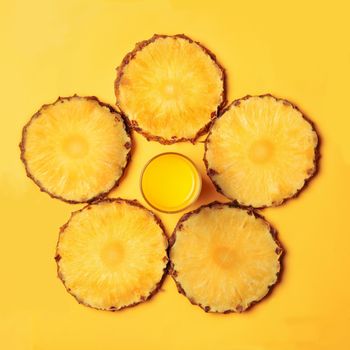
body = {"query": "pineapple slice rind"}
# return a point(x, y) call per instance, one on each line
point(161, 84)
point(112, 254)
point(261, 151)
point(224, 258)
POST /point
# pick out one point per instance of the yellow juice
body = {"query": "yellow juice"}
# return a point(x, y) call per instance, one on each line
point(170, 182)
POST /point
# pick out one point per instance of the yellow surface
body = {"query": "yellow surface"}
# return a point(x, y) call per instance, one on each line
point(297, 50)
point(170, 182)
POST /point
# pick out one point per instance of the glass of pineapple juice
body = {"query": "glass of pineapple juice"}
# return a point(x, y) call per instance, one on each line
point(170, 182)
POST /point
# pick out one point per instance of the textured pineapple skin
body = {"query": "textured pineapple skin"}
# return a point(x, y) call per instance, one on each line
point(42, 188)
point(211, 172)
point(134, 125)
point(173, 273)
point(166, 259)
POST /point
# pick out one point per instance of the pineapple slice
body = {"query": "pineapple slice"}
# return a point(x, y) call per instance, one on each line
point(112, 254)
point(261, 151)
point(76, 149)
point(161, 85)
point(224, 258)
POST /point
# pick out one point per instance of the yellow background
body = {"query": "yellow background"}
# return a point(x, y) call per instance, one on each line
point(298, 50)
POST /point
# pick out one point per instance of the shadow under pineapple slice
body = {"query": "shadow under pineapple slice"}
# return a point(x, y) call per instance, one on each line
point(112, 254)
point(224, 258)
point(261, 151)
point(76, 149)
point(161, 86)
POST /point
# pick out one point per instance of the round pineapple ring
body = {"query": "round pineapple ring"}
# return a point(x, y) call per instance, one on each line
point(112, 254)
point(224, 258)
point(261, 151)
point(76, 149)
point(161, 85)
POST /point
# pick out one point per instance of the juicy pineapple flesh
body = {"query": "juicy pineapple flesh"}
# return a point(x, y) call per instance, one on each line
point(170, 88)
point(224, 258)
point(261, 151)
point(112, 255)
point(75, 148)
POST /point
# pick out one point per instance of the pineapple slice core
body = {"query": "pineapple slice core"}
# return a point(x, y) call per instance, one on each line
point(112, 254)
point(224, 258)
point(261, 151)
point(75, 146)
